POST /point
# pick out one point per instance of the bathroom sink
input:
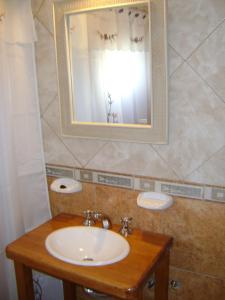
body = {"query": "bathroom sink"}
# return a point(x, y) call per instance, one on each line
point(87, 246)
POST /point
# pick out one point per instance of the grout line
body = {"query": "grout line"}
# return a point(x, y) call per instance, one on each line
point(94, 155)
point(38, 10)
point(48, 105)
point(170, 75)
point(171, 46)
point(205, 161)
point(166, 163)
point(62, 142)
point(206, 82)
point(198, 273)
point(220, 99)
point(204, 40)
point(73, 155)
point(192, 53)
point(43, 25)
point(81, 164)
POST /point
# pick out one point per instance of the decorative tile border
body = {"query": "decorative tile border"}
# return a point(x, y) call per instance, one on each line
point(114, 180)
point(186, 190)
point(181, 190)
point(144, 184)
point(56, 171)
point(215, 194)
point(86, 175)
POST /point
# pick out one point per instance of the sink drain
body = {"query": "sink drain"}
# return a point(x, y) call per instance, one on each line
point(88, 259)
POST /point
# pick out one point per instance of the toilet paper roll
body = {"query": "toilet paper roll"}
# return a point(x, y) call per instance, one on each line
point(66, 185)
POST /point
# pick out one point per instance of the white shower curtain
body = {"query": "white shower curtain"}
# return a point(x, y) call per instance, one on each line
point(23, 190)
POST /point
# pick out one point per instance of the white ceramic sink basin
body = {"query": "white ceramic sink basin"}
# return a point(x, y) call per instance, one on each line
point(87, 246)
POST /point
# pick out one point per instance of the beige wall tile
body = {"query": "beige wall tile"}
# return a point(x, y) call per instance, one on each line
point(46, 66)
point(211, 171)
point(45, 15)
point(197, 286)
point(112, 202)
point(55, 151)
point(52, 115)
point(209, 61)
point(36, 5)
point(197, 119)
point(82, 149)
point(130, 158)
point(174, 60)
point(74, 203)
point(197, 226)
point(190, 22)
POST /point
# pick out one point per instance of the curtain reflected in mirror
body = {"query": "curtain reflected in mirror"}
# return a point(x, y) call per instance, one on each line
point(110, 67)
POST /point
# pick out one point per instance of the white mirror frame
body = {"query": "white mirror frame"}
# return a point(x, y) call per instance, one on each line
point(155, 133)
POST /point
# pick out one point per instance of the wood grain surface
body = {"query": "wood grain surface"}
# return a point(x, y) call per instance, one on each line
point(122, 279)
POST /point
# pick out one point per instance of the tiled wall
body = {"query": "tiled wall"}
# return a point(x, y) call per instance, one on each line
point(195, 152)
point(196, 148)
point(140, 183)
point(197, 225)
point(198, 228)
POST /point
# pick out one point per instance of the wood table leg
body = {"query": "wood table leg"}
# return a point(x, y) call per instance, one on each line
point(162, 277)
point(24, 282)
point(140, 294)
point(69, 290)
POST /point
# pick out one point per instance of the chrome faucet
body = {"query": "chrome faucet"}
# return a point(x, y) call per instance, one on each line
point(89, 220)
point(126, 228)
point(92, 216)
point(106, 223)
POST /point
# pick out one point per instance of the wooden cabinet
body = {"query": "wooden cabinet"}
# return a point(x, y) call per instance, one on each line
point(125, 279)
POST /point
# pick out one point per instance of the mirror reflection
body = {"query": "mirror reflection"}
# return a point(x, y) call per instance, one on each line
point(110, 65)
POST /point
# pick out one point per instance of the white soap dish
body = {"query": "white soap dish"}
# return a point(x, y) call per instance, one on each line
point(154, 201)
point(66, 185)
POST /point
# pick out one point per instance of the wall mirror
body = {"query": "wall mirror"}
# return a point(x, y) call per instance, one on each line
point(112, 69)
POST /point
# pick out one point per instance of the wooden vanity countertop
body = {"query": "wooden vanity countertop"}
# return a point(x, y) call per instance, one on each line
point(122, 279)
